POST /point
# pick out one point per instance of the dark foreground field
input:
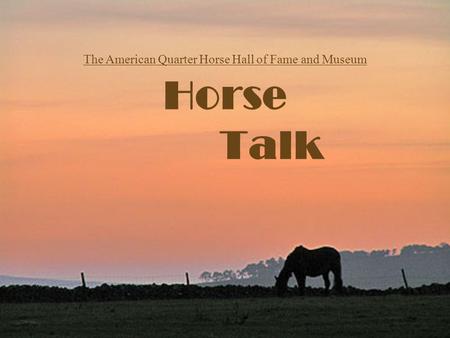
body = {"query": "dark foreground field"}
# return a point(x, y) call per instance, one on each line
point(376, 316)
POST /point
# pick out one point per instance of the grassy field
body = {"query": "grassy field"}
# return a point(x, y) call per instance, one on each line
point(386, 316)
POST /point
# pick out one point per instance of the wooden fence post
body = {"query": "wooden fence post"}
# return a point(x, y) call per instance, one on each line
point(83, 281)
point(404, 279)
point(187, 278)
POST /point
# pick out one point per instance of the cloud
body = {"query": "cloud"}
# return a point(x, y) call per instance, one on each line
point(160, 150)
point(300, 18)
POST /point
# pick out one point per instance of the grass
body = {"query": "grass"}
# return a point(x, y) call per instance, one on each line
point(380, 316)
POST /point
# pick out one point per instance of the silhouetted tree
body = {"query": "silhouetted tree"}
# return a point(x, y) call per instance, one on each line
point(217, 276)
point(206, 276)
point(379, 253)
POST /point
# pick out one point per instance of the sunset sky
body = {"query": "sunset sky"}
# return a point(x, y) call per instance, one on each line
point(96, 175)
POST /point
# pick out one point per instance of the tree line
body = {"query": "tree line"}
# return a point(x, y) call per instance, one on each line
point(366, 269)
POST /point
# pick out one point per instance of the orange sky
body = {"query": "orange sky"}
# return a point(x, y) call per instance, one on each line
point(96, 175)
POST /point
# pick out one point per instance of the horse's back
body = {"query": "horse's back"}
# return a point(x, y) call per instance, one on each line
point(319, 261)
point(328, 254)
point(328, 250)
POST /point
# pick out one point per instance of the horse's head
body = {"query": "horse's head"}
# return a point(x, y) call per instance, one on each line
point(281, 283)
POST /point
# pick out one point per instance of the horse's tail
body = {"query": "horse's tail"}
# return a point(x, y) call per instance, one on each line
point(337, 272)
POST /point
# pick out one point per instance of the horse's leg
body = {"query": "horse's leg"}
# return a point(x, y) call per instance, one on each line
point(301, 281)
point(326, 279)
point(337, 277)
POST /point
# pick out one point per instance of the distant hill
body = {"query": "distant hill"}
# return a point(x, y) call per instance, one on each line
point(378, 269)
point(12, 280)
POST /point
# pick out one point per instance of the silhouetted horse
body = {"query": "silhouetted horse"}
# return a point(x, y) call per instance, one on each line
point(312, 263)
